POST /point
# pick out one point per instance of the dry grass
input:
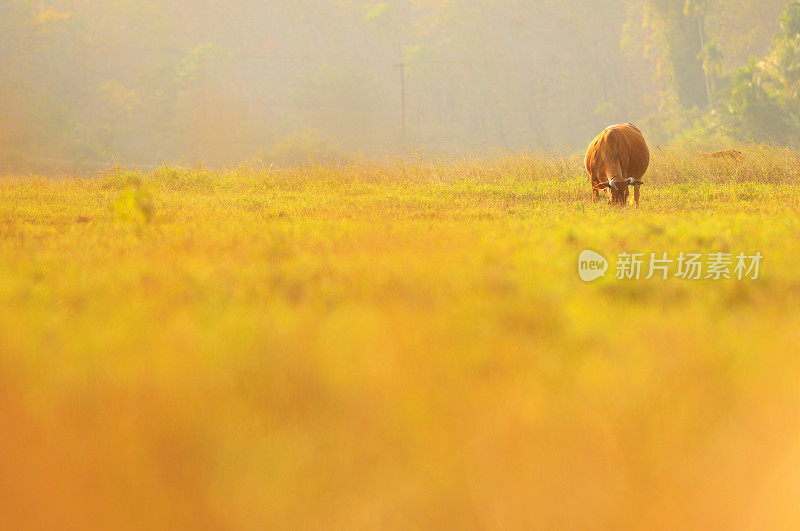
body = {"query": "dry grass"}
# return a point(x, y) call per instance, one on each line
point(397, 345)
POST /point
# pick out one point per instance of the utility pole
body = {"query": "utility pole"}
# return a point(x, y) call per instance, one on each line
point(402, 67)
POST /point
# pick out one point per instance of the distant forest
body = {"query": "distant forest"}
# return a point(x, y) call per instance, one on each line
point(152, 81)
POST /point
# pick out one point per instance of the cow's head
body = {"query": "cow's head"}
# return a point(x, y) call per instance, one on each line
point(617, 189)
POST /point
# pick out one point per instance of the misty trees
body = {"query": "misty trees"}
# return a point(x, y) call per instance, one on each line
point(679, 24)
point(158, 80)
point(762, 100)
point(211, 115)
point(27, 105)
point(342, 104)
point(700, 47)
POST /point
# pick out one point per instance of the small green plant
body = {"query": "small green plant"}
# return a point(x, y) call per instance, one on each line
point(134, 204)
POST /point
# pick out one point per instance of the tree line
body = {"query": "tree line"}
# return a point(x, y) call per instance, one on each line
point(155, 80)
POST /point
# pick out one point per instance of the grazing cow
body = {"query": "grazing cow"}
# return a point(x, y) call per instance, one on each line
point(617, 159)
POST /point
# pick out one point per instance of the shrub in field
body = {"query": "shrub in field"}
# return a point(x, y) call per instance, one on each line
point(134, 204)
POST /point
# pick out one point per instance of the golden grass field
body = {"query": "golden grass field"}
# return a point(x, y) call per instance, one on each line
point(397, 345)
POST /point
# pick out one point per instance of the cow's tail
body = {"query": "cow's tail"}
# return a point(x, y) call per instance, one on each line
point(614, 155)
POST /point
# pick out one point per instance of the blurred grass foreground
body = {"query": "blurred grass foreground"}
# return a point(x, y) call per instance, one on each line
point(397, 345)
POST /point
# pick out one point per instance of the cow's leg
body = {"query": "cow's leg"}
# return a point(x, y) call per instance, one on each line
point(636, 196)
point(595, 195)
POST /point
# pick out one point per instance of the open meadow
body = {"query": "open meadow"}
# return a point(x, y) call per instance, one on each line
point(400, 345)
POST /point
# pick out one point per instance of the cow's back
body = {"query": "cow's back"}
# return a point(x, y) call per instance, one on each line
point(620, 150)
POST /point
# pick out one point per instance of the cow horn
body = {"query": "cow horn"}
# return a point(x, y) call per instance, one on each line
point(631, 180)
point(613, 184)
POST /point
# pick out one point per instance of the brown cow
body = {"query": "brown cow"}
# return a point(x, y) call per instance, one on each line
point(617, 159)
